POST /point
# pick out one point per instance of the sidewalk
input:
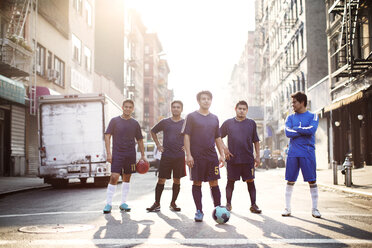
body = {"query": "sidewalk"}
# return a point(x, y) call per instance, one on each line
point(361, 178)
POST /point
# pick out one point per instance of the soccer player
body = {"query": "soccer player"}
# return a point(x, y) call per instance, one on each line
point(173, 156)
point(201, 134)
point(124, 130)
point(300, 128)
point(242, 134)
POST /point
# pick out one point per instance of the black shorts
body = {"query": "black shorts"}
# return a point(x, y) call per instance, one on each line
point(205, 170)
point(237, 171)
point(125, 165)
point(167, 165)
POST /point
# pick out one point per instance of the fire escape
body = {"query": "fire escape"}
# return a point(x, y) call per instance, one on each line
point(16, 55)
point(348, 63)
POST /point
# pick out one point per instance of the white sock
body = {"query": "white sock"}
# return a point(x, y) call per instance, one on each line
point(314, 195)
point(110, 193)
point(124, 191)
point(288, 195)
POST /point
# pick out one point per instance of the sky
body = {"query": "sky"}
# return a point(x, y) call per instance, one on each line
point(202, 40)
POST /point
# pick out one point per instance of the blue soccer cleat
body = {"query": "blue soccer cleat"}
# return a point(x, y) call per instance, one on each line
point(198, 216)
point(124, 207)
point(107, 209)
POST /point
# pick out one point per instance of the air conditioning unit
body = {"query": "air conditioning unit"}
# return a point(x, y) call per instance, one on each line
point(53, 75)
point(38, 68)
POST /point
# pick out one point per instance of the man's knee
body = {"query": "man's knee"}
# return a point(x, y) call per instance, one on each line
point(197, 183)
point(126, 178)
point(161, 180)
point(249, 180)
point(176, 180)
point(213, 183)
point(114, 178)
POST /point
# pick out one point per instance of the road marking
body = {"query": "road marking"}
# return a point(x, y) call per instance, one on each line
point(267, 213)
point(210, 242)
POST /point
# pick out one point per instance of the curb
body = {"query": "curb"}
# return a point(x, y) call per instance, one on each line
point(9, 192)
point(346, 190)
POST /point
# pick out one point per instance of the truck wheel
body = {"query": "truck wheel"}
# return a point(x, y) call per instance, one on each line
point(58, 183)
point(101, 181)
point(83, 180)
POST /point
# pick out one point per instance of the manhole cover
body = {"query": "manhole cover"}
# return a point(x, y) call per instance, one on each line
point(59, 228)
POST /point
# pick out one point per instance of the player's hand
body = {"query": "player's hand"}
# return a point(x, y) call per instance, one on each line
point(190, 161)
point(257, 162)
point(222, 161)
point(109, 158)
point(143, 158)
point(160, 148)
point(228, 154)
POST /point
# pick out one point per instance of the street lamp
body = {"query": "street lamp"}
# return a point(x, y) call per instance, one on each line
point(360, 117)
point(337, 123)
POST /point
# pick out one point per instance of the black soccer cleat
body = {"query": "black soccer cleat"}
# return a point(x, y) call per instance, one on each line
point(154, 208)
point(174, 207)
point(254, 209)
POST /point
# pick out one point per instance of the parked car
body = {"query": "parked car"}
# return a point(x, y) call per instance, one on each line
point(149, 152)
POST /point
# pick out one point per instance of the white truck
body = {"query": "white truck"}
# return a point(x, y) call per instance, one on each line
point(71, 137)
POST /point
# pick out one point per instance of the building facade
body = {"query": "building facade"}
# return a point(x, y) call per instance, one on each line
point(291, 44)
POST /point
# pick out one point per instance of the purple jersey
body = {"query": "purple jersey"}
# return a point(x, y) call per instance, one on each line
point(172, 138)
point(203, 131)
point(124, 133)
point(241, 136)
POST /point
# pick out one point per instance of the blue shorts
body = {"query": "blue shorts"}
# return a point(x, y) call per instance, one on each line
point(125, 165)
point(307, 165)
point(237, 171)
point(205, 170)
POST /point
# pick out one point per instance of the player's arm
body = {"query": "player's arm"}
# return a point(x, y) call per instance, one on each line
point(289, 131)
point(220, 147)
point(257, 159)
point(226, 150)
point(108, 147)
point(189, 158)
point(156, 140)
point(310, 129)
point(142, 149)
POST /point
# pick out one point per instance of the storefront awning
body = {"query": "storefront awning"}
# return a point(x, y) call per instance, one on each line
point(344, 101)
point(12, 90)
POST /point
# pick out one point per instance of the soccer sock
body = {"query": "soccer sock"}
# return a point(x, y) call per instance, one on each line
point(176, 190)
point(110, 193)
point(216, 195)
point(314, 194)
point(252, 192)
point(288, 195)
point(229, 190)
point(158, 190)
point(124, 191)
point(197, 195)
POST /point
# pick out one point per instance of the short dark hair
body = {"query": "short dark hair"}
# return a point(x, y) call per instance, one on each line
point(300, 97)
point(177, 101)
point(241, 103)
point(204, 92)
point(128, 101)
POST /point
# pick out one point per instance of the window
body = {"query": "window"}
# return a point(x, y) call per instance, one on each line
point(88, 10)
point(78, 5)
point(59, 66)
point(76, 46)
point(365, 38)
point(147, 49)
point(88, 59)
point(40, 60)
point(49, 61)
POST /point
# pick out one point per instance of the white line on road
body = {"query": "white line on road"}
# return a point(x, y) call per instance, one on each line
point(271, 212)
point(79, 242)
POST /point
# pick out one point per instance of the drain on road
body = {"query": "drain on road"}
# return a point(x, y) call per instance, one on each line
point(59, 228)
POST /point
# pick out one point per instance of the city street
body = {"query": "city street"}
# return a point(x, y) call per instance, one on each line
point(72, 217)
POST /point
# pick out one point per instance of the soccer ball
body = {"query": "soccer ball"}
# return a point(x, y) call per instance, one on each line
point(221, 215)
point(142, 167)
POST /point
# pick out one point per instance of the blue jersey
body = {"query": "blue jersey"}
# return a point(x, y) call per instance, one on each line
point(124, 133)
point(172, 138)
point(301, 128)
point(203, 131)
point(241, 136)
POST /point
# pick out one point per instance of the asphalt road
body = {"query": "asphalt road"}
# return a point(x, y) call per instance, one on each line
point(72, 217)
